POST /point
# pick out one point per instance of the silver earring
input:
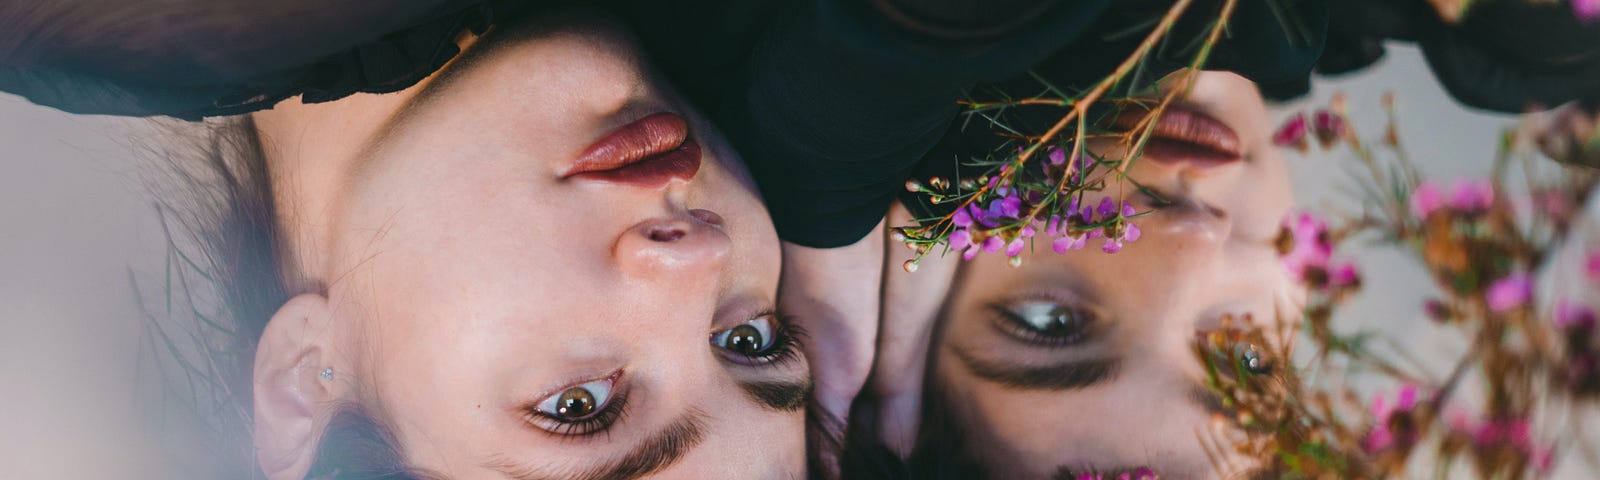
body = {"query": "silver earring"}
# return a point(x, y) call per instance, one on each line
point(327, 373)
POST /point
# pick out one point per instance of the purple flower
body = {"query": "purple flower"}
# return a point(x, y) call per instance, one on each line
point(1472, 196)
point(1057, 156)
point(1292, 134)
point(993, 244)
point(1587, 10)
point(959, 239)
point(1053, 228)
point(1107, 208)
point(1069, 242)
point(961, 218)
point(1509, 293)
point(1426, 199)
point(1015, 247)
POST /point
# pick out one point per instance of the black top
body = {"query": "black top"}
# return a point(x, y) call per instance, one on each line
point(832, 103)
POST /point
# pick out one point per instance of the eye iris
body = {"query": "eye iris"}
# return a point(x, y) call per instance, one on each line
point(1060, 321)
point(575, 402)
point(745, 339)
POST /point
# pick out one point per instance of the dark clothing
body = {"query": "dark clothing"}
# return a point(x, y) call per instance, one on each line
point(832, 103)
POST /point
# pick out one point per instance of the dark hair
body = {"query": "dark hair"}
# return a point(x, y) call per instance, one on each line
point(218, 212)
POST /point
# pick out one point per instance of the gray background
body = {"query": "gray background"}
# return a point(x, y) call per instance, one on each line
point(77, 227)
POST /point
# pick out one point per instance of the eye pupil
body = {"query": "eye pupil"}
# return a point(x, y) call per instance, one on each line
point(575, 402)
point(745, 339)
point(1061, 321)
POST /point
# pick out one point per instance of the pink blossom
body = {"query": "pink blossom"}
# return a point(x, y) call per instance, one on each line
point(1293, 133)
point(1426, 199)
point(1344, 274)
point(1574, 316)
point(1509, 293)
point(1591, 266)
point(1472, 196)
point(1381, 438)
point(1310, 248)
point(961, 218)
point(1587, 10)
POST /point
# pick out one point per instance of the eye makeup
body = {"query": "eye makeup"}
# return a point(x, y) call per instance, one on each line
point(1046, 323)
point(767, 339)
point(579, 410)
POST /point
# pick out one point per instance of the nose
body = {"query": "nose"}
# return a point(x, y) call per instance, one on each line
point(691, 246)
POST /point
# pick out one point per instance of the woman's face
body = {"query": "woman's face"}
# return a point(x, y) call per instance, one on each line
point(552, 267)
point(1081, 362)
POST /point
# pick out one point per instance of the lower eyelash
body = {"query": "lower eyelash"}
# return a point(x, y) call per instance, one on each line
point(595, 423)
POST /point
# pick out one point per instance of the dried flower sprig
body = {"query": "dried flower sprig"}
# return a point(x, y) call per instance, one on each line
point(1016, 198)
point(1482, 251)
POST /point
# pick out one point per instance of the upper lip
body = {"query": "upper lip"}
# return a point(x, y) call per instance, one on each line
point(650, 151)
point(1185, 133)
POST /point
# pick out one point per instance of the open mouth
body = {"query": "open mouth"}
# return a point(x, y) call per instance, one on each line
point(650, 152)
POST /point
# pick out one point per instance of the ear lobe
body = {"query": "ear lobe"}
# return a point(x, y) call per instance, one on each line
point(289, 393)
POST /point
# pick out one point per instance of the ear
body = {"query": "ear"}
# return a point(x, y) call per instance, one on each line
point(290, 393)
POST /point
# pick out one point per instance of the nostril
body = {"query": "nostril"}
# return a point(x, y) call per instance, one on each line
point(665, 234)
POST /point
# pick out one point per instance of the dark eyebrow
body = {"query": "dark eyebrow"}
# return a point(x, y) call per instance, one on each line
point(1070, 375)
point(657, 452)
point(780, 396)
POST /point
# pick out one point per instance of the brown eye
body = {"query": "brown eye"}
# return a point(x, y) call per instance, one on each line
point(760, 340)
point(577, 402)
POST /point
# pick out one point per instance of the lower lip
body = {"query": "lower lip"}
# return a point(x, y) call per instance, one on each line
point(1187, 136)
point(655, 171)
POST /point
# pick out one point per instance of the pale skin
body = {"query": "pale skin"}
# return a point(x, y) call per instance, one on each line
point(453, 281)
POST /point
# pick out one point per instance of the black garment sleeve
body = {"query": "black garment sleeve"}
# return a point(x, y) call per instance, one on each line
point(256, 62)
point(837, 103)
point(1503, 56)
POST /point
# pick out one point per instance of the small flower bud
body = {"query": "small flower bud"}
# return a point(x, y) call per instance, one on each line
point(898, 234)
point(910, 266)
point(968, 184)
point(939, 183)
point(936, 199)
point(913, 186)
point(1014, 261)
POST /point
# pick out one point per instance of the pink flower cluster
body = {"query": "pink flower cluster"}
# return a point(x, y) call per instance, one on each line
point(1311, 250)
point(1515, 432)
point(1382, 436)
point(1469, 196)
point(1587, 10)
point(1326, 125)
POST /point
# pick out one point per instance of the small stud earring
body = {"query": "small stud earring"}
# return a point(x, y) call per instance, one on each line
point(327, 373)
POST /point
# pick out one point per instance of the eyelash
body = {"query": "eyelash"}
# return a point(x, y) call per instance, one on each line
point(1008, 323)
point(594, 423)
point(785, 348)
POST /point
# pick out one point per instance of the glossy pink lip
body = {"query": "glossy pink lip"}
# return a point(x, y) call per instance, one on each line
point(1187, 135)
point(650, 152)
